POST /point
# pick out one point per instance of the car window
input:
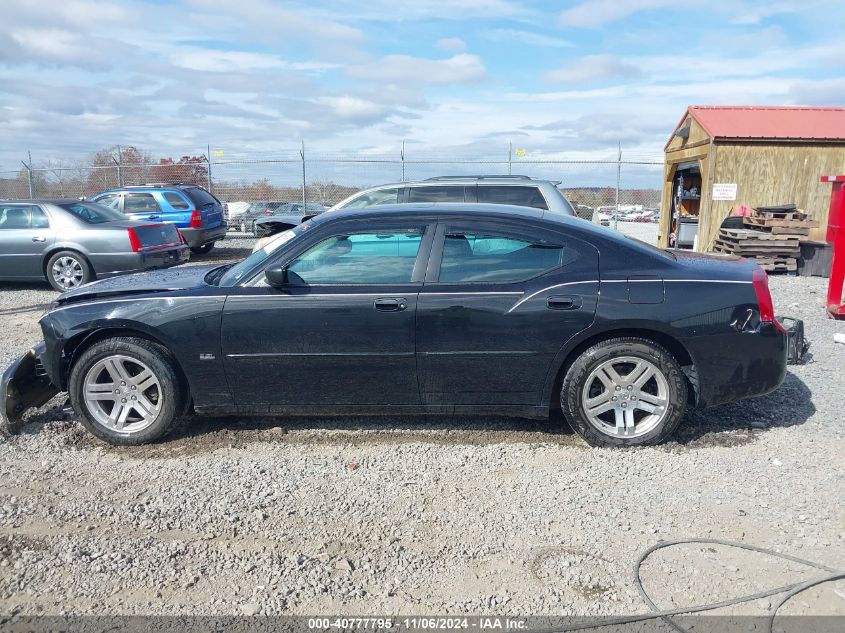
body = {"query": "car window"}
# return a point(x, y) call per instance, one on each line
point(39, 219)
point(110, 200)
point(176, 201)
point(91, 212)
point(360, 258)
point(200, 197)
point(471, 257)
point(382, 196)
point(17, 216)
point(440, 193)
point(508, 194)
point(139, 203)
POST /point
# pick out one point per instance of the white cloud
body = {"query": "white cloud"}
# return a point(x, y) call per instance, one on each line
point(403, 69)
point(208, 60)
point(451, 44)
point(594, 13)
point(530, 38)
point(594, 69)
point(354, 108)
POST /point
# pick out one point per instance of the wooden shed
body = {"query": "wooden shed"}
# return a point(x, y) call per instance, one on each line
point(720, 157)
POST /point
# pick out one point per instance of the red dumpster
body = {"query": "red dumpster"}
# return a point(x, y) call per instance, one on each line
point(836, 237)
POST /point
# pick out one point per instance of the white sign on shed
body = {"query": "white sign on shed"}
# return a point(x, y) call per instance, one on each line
point(724, 191)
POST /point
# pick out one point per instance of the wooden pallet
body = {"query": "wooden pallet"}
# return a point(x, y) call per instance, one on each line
point(748, 235)
point(797, 215)
point(758, 221)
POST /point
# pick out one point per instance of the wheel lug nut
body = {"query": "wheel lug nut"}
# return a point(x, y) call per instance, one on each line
point(117, 390)
point(134, 387)
point(134, 398)
point(122, 383)
point(630, 387)
point(618, 388)
point(123, 400)
point(614, 398)
point(624, 404)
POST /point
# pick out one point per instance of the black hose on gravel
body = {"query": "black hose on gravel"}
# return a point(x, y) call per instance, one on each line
point(791, 590)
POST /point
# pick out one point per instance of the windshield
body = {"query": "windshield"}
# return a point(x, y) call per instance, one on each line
point(92, 213)
point(237, 272)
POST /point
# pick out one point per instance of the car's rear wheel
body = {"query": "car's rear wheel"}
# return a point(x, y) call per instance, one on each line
point(67, 270)
point(624, 392)
point(202, 250)
point(126, 391)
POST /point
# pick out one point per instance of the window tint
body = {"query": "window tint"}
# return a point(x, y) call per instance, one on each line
point(382, 196)
point(39, 219)
point(440, 193)
point(16, 216)
point(361, 258)
point(110, 200)
point(505, 194)
point(471, 257)
point(139, 203)
point(200, 197)
point(175, 200)
point(92, 213)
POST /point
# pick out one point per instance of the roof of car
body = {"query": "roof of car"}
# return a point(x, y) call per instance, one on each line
point(502, 179)
point(44, 201)
point(427, 209)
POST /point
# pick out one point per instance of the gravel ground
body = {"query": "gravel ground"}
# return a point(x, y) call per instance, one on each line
point(423, 515)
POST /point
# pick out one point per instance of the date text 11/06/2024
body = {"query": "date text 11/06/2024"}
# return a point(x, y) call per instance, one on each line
point(418, 623)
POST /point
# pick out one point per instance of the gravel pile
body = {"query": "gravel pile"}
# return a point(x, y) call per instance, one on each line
point(422, 515)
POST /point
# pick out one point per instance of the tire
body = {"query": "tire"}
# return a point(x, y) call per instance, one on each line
point(635, 410)
point(122, 363)
point(66, 270)
point(202, 250)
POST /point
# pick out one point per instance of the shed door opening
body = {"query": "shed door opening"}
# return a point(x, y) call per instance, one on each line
point(686, 205)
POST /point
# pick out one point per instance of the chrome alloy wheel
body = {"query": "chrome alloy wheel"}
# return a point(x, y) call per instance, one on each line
point(122, 394)
point(67, 272)
point(626, 397)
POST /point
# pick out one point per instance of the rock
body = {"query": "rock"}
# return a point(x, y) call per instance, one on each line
point(250, 608)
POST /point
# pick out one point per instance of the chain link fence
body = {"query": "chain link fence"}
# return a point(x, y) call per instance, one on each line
point(626, 185)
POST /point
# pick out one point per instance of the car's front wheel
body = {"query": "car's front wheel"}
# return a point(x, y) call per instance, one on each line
point(126, 390)
point(202, 250)
point(624, 392)
point(67, 270)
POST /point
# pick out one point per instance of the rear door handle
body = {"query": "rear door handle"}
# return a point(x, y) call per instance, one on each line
point(391, 304)
point(39, 239)
point(564, 302)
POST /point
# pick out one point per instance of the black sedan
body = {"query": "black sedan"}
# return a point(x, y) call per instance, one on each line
point(416, 308)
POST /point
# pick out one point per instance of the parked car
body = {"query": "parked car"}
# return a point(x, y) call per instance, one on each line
point(451, 308)
point(259, 209)
point(198, 215)
point(70, 243)
point(235, 211)
point(285, 217)
point(510, 190)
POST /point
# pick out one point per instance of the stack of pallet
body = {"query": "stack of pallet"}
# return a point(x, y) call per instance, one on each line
point(772, 237)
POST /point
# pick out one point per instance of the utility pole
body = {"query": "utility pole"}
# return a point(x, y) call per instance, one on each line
point(302, 154)
point(402, 156)
point(618, 179)
point(119, 163)
point(29, 172)
point(510, 157)
point(208, 166)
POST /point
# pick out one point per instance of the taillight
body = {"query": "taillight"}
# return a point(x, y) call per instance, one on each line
point(196, 219)
point(134, 241)
point(764, 298)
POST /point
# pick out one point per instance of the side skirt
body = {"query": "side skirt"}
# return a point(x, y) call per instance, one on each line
point(518, 411)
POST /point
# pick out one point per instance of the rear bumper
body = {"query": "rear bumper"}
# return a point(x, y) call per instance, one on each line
point(736, 366)
point(199, 237)
point(122, 263)
point(24, 385)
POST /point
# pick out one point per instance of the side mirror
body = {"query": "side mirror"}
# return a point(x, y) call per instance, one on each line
point(277, 276)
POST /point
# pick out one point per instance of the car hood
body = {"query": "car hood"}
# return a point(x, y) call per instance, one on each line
point(181, 278)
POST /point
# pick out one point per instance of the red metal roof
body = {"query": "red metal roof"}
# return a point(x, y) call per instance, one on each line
point(771, 122)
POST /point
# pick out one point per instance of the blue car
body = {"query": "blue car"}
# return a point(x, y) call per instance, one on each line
point(197, 214)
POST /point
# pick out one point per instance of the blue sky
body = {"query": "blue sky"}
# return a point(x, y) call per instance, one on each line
point(559, 79)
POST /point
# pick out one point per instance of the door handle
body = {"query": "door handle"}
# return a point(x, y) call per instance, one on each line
point(39, 238)
point(391, 304)
point(564, 302)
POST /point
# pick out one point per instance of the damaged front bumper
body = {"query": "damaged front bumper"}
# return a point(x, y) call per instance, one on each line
point(24, 385)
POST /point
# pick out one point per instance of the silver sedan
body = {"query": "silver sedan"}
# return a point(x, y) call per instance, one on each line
point(72, 242)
